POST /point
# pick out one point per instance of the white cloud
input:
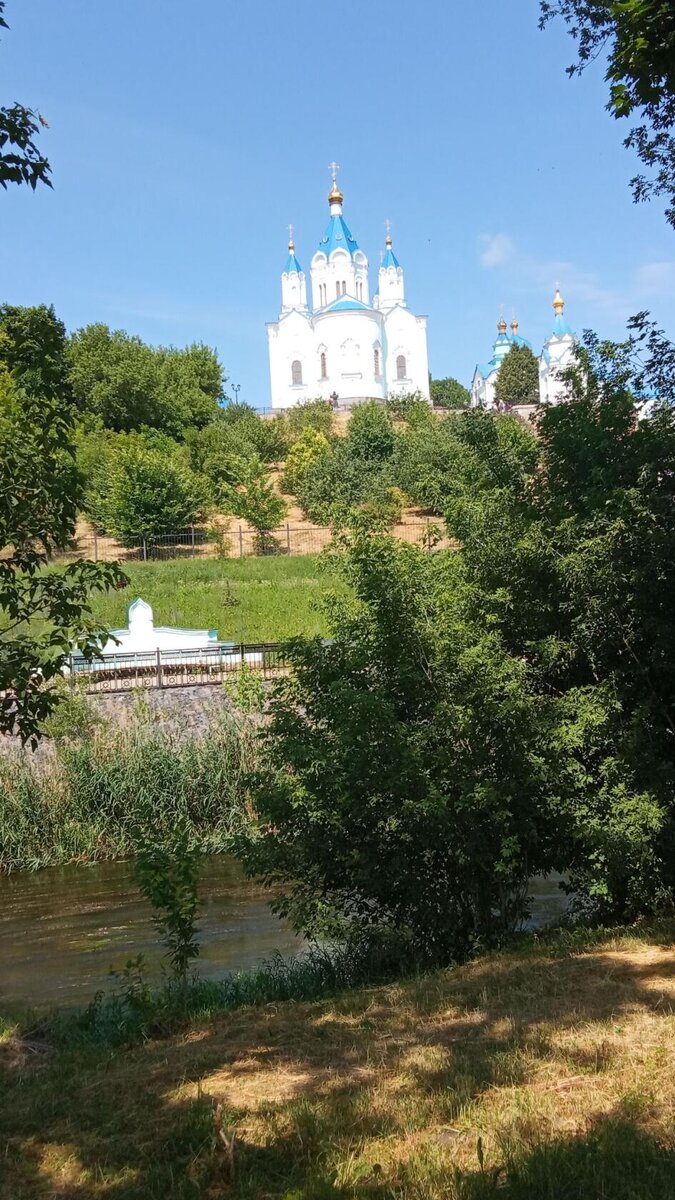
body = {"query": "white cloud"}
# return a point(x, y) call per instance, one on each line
point(496, 249)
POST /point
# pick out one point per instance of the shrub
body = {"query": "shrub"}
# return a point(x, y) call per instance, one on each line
point(309, 446)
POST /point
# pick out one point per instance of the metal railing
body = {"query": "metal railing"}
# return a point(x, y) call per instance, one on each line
point(237, 541)
point(176, 668)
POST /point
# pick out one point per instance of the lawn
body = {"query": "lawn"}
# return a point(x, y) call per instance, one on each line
point(246, 600)
point(542, 1073)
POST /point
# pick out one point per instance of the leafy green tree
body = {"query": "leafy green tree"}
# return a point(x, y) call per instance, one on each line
point(221, 452)
point(127, 384)
point(310, 445)
point(256, 501)
point(338, 482)
point(638, 39)
point(449, 393)
point(518, 378)
point(408, 784)
point(33, 346)
point(311, 414)
point(20, 158)
point(151, 494)
point(268, 437)
point(370, 433)
point(576, 572)
point(43, 614)
point(463, 455)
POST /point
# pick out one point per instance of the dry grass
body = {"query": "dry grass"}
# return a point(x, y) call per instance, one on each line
point(544, 1073)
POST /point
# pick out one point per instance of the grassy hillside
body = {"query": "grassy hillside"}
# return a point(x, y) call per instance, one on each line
point(249, 599)
point(546, 1073)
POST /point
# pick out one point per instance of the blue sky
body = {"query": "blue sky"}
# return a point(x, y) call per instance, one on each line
point(185, 136)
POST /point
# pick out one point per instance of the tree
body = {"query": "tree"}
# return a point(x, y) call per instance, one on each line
point(576, 572)
point(256, 501)
point(518, 378)
point(151, 494)
point(43, 614)
point(370, 433)
point(310, 445)
point(638, 38)
point(20, 158)
point(449, 393)
point(126, 384)
point(33, 346)
point(408, 779)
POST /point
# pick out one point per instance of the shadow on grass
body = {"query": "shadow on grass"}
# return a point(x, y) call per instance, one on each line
point(613, 1161)
point(358, 1096)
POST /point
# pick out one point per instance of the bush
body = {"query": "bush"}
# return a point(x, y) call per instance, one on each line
point(409, 784)
point(309, 446)
point(370, 433)
point(151, 494)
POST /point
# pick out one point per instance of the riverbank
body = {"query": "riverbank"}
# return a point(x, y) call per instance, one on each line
point(547, 1071)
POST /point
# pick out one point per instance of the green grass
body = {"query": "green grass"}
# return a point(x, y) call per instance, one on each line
point(541, 1073)
point(249, 599)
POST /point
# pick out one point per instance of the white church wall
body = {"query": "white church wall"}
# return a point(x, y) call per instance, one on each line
point(406, 337)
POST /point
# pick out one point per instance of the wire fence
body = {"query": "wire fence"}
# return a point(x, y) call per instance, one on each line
point(176, 668)
point(236, 541)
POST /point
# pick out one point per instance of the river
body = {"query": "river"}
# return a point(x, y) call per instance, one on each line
point(63, 930)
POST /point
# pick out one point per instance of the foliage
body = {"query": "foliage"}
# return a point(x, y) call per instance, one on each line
point(127, 384)
point(638, 37)
point(463, 455)
point(246, 690)
point(20, 157)
point(166, 869)
point(149, 494)
point(576, 572)
point(337, 483)
point(267, 437)
point(449, 393)
point(33, 347)
point(42, 614)
point(256, 501)
point(370, 433)
point(518, 378)
point(311, 414)
point(410, 782)
point(410, 407)
point(222, 452)
point(310, 445)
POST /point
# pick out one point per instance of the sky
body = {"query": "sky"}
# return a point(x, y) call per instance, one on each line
point(184, 137)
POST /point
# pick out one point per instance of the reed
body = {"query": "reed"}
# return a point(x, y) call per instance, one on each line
point(83, 798)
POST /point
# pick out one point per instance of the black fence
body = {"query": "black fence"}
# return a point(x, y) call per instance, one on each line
point(176, 668)
point(234, 542)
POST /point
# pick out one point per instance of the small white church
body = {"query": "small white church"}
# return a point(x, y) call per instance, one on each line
point(557, 354)
point(345, 348)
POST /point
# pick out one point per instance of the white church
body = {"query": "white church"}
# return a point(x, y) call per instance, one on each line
point(345, 348)
point(556, 356)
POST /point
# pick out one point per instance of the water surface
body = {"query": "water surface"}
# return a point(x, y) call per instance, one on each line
point(64, 928)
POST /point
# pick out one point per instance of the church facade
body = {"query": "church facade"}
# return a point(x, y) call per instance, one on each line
point(344, 346)
point(557, 354)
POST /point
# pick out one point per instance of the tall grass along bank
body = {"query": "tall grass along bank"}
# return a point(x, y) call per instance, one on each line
point(83, 798)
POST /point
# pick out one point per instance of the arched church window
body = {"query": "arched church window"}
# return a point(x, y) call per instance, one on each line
point(337, 288)
point(376, 360)
point(400, 366)
point(324, 373)
point(296, 372)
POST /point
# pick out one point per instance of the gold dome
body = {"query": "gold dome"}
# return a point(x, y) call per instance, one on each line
point(502, 325)
point(558, 303)
point(514, 325)
point(335, 195)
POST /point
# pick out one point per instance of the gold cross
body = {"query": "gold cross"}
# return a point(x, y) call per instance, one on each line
point(334, 168)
